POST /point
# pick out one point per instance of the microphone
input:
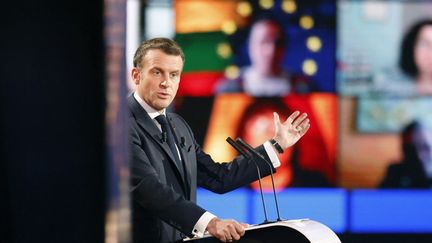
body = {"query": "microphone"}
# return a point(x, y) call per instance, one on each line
point(164, 137)
point(248, 156)
point(240, 150)
point(252, 150)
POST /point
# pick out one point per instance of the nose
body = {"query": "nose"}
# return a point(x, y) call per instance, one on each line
point(165, 81)
point(269, 49)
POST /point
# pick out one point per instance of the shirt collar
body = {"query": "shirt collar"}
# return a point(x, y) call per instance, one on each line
point(150, 110)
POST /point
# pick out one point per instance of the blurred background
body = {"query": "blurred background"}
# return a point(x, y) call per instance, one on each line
point(341, 61)
point(362, 70)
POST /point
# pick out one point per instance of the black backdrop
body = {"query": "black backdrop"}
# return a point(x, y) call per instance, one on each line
point(52, 121)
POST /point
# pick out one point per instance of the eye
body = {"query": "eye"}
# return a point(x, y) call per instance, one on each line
point(424, 44)
point(174, 75)
point(156, 72)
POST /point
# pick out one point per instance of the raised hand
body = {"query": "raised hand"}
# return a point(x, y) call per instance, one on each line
point(290, 131)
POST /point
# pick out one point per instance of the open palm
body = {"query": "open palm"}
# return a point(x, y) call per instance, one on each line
point(287, 133)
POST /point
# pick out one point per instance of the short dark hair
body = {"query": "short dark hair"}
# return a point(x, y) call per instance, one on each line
point(166, 45)
point(406, 59)
point(270, 18)
point(408, 148)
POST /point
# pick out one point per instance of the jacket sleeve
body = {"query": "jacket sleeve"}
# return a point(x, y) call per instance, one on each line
point(224, 177)
point(227, 176)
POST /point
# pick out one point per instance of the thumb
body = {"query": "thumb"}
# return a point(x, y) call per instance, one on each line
point(276, 119)
point(245, 225)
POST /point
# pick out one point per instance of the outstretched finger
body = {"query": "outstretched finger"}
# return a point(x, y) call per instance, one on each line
point(299, 120)
point(292, 117)
point(304, 123)
point(305, 129)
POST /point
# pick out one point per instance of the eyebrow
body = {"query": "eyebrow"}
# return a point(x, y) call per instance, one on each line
point(162, 70)
point(156, 68)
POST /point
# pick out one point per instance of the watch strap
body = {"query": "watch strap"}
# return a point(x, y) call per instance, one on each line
point(277, 146)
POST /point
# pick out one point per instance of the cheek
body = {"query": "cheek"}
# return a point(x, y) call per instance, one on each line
point(253, 53)
point(151, 85)
point(418, 57)
point(269, 49)
point(175, 87)
point(423, 58)
point(147, 89)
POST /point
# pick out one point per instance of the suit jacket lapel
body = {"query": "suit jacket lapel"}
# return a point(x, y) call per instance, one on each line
point(148, 125)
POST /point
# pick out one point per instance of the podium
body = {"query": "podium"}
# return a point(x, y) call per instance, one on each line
point(289, 231)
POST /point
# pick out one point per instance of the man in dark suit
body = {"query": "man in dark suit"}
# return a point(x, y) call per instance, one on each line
point(168, 164)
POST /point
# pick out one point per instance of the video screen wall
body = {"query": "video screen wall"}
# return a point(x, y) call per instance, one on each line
point(248, 60)
point(362, 70)
point(384, 85)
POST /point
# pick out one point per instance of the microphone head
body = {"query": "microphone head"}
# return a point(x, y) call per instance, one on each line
point(238, 148)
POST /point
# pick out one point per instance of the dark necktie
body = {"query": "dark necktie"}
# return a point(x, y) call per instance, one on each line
point(166, 128)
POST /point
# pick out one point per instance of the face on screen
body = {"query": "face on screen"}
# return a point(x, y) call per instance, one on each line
point(259, 128)
point(265, 47)
point(423, 51)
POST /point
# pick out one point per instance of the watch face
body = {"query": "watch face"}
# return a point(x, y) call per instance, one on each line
point(276, 145)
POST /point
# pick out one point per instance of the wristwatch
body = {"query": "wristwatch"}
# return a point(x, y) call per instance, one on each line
point(277, 146)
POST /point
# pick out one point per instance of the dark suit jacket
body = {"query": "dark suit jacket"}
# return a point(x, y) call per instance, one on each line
point(163, 202)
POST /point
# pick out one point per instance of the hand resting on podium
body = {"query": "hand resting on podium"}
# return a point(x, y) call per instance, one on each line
point(226, 230)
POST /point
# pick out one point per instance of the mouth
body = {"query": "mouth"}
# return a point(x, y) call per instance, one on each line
point(163, 95)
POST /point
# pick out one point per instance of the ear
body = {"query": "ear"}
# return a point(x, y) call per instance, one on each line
point(136, 75)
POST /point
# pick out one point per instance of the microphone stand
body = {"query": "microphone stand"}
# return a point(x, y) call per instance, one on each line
point(252, 150)
point(250, 157)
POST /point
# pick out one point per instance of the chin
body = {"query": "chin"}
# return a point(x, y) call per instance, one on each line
point(163, 106)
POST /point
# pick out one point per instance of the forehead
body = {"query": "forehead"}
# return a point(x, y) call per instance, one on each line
point(265, 29)
point(158, 58)
point(425, 32)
